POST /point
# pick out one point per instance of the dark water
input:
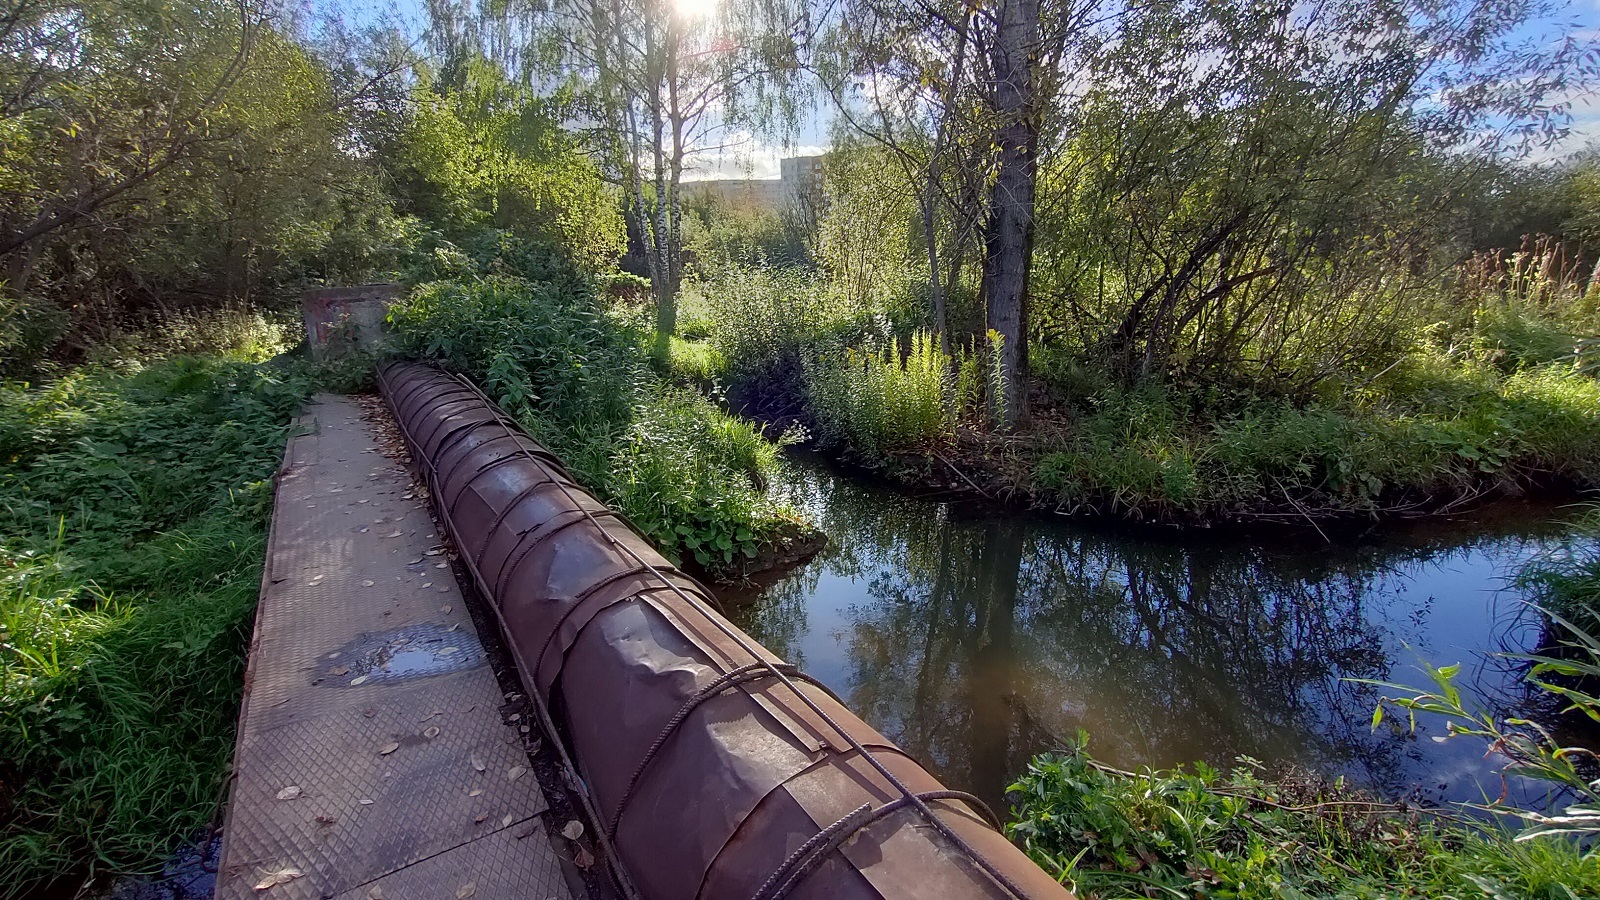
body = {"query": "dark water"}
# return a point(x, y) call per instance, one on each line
point(977, 639)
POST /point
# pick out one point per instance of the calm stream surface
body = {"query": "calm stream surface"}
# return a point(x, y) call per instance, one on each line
point(976, 639)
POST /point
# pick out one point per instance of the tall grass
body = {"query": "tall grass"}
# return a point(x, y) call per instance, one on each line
point(1433, 430)
point(876, 402)
point(132, 520)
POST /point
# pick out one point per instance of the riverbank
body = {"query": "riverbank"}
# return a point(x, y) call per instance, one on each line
point(1109, 833)
point(1437, 428)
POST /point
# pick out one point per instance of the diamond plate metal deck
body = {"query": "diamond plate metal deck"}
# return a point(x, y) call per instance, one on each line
point(369, 703)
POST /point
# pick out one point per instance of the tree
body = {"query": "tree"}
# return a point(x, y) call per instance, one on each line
point(664, 81)
point(1014, 52)
point(899, 76)
point(477, 150)
point(963, 90)
point(1261, 203)
point(98, 98)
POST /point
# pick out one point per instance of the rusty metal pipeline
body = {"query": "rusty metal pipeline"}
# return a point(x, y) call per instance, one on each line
point(714, 769)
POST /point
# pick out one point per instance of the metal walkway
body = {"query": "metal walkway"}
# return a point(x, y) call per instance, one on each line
point(372, 760)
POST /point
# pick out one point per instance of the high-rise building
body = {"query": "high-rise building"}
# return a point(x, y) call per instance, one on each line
point(799, 183)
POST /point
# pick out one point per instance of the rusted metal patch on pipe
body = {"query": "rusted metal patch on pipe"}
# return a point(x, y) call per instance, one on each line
point(716, 769)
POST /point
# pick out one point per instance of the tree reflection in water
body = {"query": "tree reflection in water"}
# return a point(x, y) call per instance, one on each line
point(976, 640)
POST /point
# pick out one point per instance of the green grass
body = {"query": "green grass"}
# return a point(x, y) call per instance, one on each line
point(1433, 431)
point(133, 508)
point(1202, 833)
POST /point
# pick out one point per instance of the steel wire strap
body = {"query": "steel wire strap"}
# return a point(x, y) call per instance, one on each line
point(747, 672)
point(907, 795)
point(546, 721)
point(808, 856)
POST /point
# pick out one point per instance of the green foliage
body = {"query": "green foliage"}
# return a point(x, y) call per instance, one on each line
point(1174, 833)
point(157, 152)
point(133, 510)
point(693, 479)
point(543, 349)
point(575, 377)
point(478, 150)
point(1430, 427)
point(764, 320)
point(880, 402)
point(230, 332)
point(717, 235)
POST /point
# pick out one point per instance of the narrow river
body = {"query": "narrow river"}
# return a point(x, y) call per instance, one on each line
point(976, 639)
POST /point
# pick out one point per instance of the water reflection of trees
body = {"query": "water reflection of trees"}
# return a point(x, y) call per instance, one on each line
point(988, 638)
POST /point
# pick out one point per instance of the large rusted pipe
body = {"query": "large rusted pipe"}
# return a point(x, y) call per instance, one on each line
point(716, 770)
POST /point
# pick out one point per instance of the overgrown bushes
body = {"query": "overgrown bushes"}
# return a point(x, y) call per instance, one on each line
point(1434, 432)
point(1202, 833)
point(133, 509)
point(575, 376)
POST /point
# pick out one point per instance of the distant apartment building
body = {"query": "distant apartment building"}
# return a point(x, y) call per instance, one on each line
point(799, 182)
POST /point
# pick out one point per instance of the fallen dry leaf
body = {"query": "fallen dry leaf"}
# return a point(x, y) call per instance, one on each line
point(276, 877)
point(368, 583)
point(480, 817)
point(477, 764)
point(339, 670)
point(375, 894)
point(446, 651)
point(466, 890)
point(388, 748)
point(359, 679)
point(446, 608)
point(572, 830)
point(395, 534)
point(431, 732)
point(583, 858)
point(515, 772)
point(290, 792)
point(364, 802)
point(506, 822)
point(325, 819)
point(441, 565)
point(435, 551)
point(475, 792)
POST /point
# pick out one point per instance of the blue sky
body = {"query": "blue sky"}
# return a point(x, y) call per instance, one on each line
point(756, 156)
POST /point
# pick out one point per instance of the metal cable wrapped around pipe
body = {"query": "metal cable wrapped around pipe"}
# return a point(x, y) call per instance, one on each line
point(715, 769)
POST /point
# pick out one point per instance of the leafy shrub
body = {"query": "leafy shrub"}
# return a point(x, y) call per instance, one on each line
point(685, 473)
point(877, 402)
point(228, 332)
point(764, 319)
point(1108, 833)
point(692, 478)
point(545, 350)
